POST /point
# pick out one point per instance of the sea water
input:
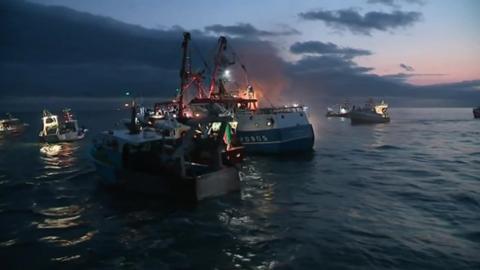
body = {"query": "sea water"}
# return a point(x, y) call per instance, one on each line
point(402, 195)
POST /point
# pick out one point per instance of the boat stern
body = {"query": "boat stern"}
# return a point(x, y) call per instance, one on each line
point(217, 183)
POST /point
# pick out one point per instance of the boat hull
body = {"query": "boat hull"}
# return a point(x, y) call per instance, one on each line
point(278, 140)
point(13, 130)
point(65, 137)
point(332, 114)
point(217, 183)
point(359, 117)
point(476, 113)
point(7, 132)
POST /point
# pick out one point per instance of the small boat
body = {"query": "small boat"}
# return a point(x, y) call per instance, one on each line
point(156, 161)
point(11, 126)
point(53, 131)
point(370, 114)
point(476, 112)
point(342, 110)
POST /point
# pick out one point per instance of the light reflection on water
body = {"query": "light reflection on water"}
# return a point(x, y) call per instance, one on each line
point(58, 159)
point(66, 258)
point(60, 217)
point(58, 241)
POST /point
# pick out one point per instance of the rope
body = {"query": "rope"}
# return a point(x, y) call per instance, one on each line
point(241, 65)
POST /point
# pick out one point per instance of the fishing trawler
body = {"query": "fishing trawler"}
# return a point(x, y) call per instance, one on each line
point(341, 110)
point(11, 126)
point(156, 161)
point(274, 130)
point(476, 112)
point(53, 131)
point(268, 130)
point(371, 113)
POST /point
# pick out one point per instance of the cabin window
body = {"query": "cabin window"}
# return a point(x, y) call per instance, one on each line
point(301, 115)
point(216, 126)
point(282, 116)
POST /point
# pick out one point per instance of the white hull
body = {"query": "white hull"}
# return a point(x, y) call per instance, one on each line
point(64, 137)
point(12, 130)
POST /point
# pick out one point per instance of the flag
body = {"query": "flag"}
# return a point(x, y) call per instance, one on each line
point(227, 135)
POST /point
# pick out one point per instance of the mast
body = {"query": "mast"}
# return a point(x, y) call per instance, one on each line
point(222, 46)
point(185, 70)
point(133, 128)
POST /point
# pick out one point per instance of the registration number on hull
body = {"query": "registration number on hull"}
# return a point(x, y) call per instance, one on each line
point(247, 139)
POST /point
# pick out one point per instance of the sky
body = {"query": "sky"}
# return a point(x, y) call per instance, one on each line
point(442, 46)
point(399, 49)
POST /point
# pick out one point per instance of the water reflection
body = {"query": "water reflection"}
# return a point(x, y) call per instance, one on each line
point(60, 217)
point(60, 223)
point(251, 225)
point(379, 132)
point(56, 158)
point(8, 243)
point(65, 258)
point(56, 240)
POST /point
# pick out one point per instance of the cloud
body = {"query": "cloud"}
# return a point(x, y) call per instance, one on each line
point(318, 47)
point(404, 76)
point(363, 24)
point(57, 51)
point(327, 64)
point(248, 30)
point(407, 67)
point(395, 3)
point(53, 51)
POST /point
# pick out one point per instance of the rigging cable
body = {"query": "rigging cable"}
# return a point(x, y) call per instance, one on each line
point(247, 77)
point(197, 50)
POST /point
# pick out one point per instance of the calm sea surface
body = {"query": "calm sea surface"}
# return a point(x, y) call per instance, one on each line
point(403, 195)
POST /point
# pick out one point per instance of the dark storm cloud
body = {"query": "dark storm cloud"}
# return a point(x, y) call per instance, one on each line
point(248, 30)
point(407, 67)
point(363, 24)
point(318, 47)
point(56, 35)
point(395, 3)
point(58, 51)
point(54, 51)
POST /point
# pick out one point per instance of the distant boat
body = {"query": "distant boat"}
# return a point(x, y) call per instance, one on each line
point(476, 112)
point(341, 110)
point(54, 131)
point(370, 114)
point(11, 126)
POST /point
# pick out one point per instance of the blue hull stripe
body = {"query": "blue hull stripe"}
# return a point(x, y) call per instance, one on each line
point(280, 140)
